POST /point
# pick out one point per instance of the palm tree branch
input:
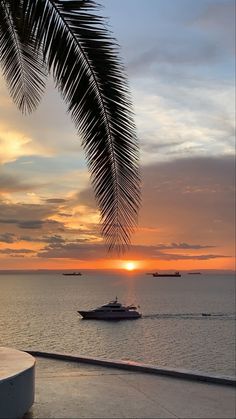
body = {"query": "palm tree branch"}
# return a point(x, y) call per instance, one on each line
point(92, 82)
point(101, 99)
point(83, 59)
point(21, 64)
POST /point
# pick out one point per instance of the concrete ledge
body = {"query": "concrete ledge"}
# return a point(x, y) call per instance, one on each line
point(17, 371)
point(140, 367)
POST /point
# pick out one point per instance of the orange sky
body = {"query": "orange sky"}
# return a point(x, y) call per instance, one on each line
point(186, 222)
point(146, 265)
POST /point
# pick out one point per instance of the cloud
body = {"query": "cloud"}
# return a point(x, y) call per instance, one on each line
point(39, 224)
point(15, 144)
point(183, 84)
point(189, 201)
point(10, 183)
point(56, 238)
point(218, 18)
point(7, 238)
point(86, 197)
point(172, 256)
point(37, 218)
point(46, 132)
point(20, 212)
point(182, 246)
point(64, 214)
point(79, 251)
point(188, 207)
point(16, 251)
point(178, 52)
point(32, 224)
point(177, 121)
point(43, 222)
point(88, 251)
point(55, 200)
point(53, 239)
point(158, 252)
point(206, 37)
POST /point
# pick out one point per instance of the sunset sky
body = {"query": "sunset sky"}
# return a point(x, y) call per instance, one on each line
point(179, 56)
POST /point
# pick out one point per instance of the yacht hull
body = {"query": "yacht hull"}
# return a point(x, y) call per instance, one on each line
point(109, 316)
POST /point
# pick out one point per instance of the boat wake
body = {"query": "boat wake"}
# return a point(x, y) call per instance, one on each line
point(192, 316)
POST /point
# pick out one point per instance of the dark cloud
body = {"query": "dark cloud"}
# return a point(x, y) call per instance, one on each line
point(15, 251)
point(43, 239)
point(53, 239)
point(42, 230)
point(64, 214)
point(32, 224)
point(11, 184)
point(182, 246)
point(176, 52)
point(8, 221)
point(27, 239)
point(14, 213)
point(158, 252)
point(30, 216)
point(86, 197)
point(85, 251)
point(7, 238)
point(74, 251)
point(171, 256)
point(38, 224)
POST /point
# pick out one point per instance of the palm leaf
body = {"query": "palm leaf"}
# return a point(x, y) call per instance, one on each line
point(83, 60)
point(22, 64)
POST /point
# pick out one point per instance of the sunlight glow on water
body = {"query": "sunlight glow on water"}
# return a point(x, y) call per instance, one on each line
point(39, 311)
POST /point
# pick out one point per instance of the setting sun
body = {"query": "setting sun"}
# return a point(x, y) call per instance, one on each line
point(130, 266)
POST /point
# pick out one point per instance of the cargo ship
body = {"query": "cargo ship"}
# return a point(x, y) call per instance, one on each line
point(158, 274)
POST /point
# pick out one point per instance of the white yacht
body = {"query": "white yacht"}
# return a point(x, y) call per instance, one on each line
point(111, 311)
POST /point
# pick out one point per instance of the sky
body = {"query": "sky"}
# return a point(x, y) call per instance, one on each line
point(179, 58)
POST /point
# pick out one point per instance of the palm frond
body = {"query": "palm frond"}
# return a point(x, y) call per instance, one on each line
point(83, 59)
point(22, 64)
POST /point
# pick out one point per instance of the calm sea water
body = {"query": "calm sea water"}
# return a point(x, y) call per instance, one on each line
point(39, 311)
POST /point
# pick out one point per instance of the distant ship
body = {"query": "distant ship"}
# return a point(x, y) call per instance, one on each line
point(166, 274)
point(73, 273)
point(194, 273)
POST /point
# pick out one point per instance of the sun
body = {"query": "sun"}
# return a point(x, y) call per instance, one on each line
point(130, 266)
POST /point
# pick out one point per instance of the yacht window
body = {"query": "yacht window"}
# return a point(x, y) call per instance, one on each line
point(118, 309)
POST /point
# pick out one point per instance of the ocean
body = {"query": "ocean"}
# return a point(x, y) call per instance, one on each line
point(38, 311)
